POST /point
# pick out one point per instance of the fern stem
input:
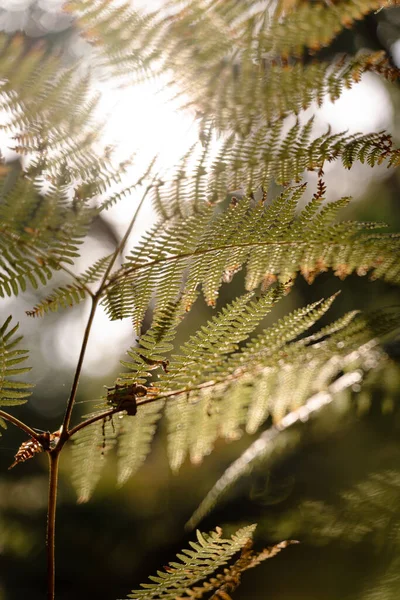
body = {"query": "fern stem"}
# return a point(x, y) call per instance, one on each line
point(200, 252)
point(65, 434)
point(31, 432)
point(98, 417)
point(51, 523)
point(122, 243)
point(67, 418)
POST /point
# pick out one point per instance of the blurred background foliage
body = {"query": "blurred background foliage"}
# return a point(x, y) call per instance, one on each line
point(334, 483)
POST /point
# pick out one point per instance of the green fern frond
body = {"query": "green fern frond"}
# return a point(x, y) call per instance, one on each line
point(89, 449)
point(267, 154)
point(63, 296)
point(224, 583)
point(209, 247)
point(135, 438)
point(221, 55)
point(270, 376)
point(118, 34)
point(277, 92)
point(12, 392)
point(307, 375)
point(39, 232)
point(46, 102)
point(231, 77)
point(206, 556)
point(223, 389)
point(154, 346)
point(73, 293)
point(314, 25)
point(207, 349)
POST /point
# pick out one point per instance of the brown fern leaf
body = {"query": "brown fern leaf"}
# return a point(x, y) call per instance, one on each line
point(45, 441)
point(229, 579)
point(26, 451)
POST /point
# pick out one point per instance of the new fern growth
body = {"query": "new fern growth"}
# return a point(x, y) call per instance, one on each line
point(236, 201)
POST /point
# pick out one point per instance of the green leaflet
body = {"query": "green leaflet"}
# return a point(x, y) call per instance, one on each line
point(206, 556)
point(135, 438)
point(71, 294)
point(12, 392)
point(89, 450)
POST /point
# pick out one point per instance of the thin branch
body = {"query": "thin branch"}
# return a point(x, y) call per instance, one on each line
point(51, 523)
point(94, 419)
point(95, 301)
point(31, 432)
point(67, 418)
point(122, 243)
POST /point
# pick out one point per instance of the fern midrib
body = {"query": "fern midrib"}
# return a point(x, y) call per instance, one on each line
point(165, 259)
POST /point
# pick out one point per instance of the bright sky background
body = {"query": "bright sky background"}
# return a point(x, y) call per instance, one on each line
point(141, 119)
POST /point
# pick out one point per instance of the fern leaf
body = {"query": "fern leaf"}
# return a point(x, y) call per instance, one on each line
point(207, 349)
point(254, 161)
point(116, 33)
point(90, 447)
point(223, 408)
point(303, 382)
point(264, 446)
point(207, 555)
point(12, 392)
point(210, 247)
point(226, 582)
point(135, 437)
point(63, 296)
point(154, 346)
point(315, 26)
point(71, 294)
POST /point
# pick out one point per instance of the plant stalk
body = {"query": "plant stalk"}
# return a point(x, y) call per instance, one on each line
point(95, 300)
point(67, 418)
point(54, 458)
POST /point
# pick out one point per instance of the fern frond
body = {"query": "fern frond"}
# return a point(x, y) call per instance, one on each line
point(207, 349)
point(135, 437)
point(71, 294)
point(12, 392)
point(63, 296)
point(266, 155)
point(244, 97)
point(314, 25)
point(154, 346)
point(229, 71)
point(206, 556)
point(270, 376)
point(118, 34)
point(222, 54)
point(307, 376)
point(39, 233)
point(221, 407)
point(89, 449)
point(264, 446)
point(209, 247)
point(224, 583)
